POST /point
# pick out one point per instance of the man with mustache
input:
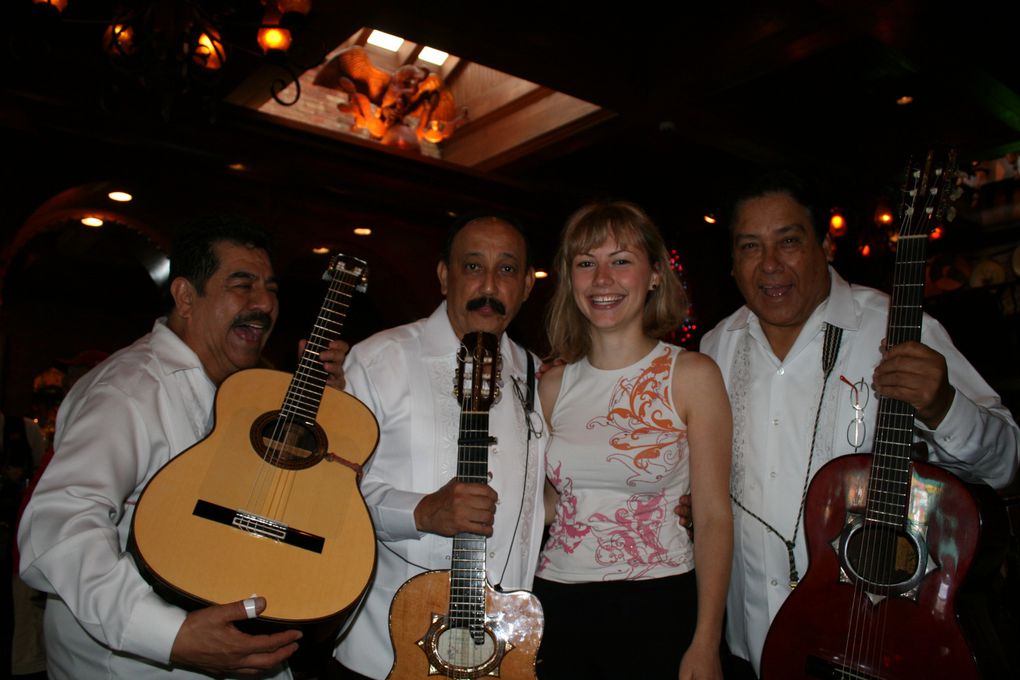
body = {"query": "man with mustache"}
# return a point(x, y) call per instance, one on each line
point(116, 428)
point(406, 375)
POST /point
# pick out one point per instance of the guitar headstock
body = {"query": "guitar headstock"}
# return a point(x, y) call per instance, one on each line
point(476, 384)
point(353, 268)
point(928, 195)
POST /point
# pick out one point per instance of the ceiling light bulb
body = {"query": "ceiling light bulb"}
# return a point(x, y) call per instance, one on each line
point(92, 221)
point(120, 196)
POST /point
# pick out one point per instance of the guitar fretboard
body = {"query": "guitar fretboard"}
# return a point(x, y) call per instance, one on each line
point(304, 395)
point(467, 567)
point(889, 484)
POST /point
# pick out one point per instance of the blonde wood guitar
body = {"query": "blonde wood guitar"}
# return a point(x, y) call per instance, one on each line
point(453, 624)
point(269, 502)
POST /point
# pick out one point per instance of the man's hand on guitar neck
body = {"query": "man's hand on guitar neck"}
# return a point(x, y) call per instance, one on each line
point(458, 507)
point(918, 375)
point(208, 640)
point(332, 360)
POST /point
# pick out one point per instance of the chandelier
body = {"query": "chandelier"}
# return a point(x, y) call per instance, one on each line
point(183, 47)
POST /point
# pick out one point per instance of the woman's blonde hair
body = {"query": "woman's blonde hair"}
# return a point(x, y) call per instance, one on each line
point(589, 227)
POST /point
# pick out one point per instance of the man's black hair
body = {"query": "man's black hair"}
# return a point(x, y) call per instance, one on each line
point(807, 192)
point(194, 257)
point(467, 219)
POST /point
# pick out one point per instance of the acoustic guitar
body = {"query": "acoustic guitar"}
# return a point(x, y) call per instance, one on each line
point(453, 624)
point(268, 503)
point(889, 539)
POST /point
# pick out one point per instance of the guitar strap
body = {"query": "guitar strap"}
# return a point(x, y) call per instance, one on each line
point(830, 350)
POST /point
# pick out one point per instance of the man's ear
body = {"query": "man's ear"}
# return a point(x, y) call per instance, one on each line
point(441, 272)
point(184, 295)
point(829, 246)
point(529, 282)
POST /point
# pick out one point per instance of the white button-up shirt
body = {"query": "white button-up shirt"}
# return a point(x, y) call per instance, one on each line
point(774, 406)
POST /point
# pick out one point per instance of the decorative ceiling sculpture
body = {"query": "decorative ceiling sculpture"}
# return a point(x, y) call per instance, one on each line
point(401, 109)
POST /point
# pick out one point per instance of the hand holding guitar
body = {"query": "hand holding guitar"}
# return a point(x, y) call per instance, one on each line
point(209, 640)
point(332, 360)
point(458, 507)
point(916, 374)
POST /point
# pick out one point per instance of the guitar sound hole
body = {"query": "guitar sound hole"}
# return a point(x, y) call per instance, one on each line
point(287, 442)
point(458, 649)
point(882, 556)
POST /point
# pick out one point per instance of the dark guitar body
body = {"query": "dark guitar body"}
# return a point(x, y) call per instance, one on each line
point(912, 634)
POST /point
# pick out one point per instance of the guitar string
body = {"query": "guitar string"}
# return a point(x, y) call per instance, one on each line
point(520, 510)
point(830, 350)
point(271, 493)
point(894, 417)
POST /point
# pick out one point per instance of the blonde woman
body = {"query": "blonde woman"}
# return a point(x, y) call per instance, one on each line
point(636, 423)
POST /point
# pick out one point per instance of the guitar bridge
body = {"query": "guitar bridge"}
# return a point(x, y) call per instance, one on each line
point(259, 526)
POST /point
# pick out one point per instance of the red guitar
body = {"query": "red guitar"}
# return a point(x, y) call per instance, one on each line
point(889, 540)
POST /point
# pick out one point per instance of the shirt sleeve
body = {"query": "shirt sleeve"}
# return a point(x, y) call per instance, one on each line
point(69, 538)
point(978, 438)
point(381, 385)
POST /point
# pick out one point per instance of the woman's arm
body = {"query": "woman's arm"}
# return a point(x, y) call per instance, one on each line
point(700, 399)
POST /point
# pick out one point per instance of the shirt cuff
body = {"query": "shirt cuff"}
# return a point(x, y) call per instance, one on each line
point(955, 425)
point(152, 629)
point(395, 518)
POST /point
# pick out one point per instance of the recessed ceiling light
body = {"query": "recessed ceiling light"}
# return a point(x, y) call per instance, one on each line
point(385, 40)
point(710, 219)
point(904, 100)
point(541, 274)
point(363, 231)
point(238, 166)
point(321, 250)
point(433, 56)
point(120, 196)
point(92, 221)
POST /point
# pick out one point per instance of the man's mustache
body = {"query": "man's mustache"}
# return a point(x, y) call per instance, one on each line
point(258, 318)
point(486, 301)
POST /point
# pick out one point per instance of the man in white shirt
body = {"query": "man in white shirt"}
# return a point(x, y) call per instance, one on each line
point(771, 354)
point(406, 375)
point(116, 428)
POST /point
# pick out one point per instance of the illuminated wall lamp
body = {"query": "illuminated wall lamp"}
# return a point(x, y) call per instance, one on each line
point(272, 38)
point(837, 225)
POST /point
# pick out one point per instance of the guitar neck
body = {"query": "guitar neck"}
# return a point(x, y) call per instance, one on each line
point(305, 392)
point(467, 565)
point(889, 485)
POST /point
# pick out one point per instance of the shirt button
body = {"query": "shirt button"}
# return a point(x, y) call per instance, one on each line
point(772, 475)
point(775, 421)
point(492, 555)
point(781, 371)
point(446, 557)
point(774, 582)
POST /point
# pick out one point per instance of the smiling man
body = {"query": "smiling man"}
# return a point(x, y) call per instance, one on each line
point(117, 427)
point(406, 376)
point(789, 419)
